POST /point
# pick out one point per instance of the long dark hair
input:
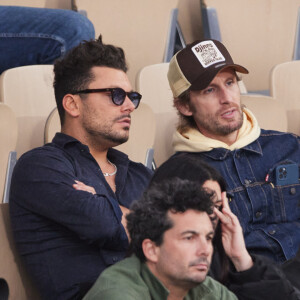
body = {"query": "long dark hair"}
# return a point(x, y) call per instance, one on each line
point(190, 167)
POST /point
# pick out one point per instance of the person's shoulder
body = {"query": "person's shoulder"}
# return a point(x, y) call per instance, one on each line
point(52, 149)
point(141, 168)
point(44, 152)
point(278, 134)
point(277, 138)
point(47, 156)
point(216, 290)
point(120, 281)
point(128, 269)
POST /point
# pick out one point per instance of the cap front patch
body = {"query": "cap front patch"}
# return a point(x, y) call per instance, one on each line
point(207, 53)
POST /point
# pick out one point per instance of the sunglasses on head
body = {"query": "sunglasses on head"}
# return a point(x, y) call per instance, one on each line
point(118, 95)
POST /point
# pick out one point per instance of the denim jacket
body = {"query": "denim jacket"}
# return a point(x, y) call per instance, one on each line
point(269, 213)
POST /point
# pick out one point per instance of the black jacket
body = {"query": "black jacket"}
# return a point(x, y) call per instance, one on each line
point(265, 280)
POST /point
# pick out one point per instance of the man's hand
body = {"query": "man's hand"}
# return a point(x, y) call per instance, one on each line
point(80, 186)
point(232, 237)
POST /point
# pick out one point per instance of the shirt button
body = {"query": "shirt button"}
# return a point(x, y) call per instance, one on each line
point(247, 181)
point(258, 214)
point(272, 232)
point(293, 191)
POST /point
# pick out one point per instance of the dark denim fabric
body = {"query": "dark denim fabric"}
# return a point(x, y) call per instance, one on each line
point(269, 214)
point(30, 36)
point(68, 237)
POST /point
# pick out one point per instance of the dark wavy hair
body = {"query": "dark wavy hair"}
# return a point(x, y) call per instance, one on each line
point(148, 218)
point(73, 71)
point(189, 166)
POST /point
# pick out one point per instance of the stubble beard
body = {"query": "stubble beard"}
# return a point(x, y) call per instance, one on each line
point(114, 138)
point(102, 132)
point(211, 124)
point(198, 280)
point(189, 280)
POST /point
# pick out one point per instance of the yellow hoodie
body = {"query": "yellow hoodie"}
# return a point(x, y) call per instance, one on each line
point(194, 141)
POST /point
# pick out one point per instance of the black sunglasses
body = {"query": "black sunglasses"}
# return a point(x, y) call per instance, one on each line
point(118, 95)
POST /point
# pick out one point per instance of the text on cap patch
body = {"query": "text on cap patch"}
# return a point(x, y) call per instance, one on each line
point(207, 53)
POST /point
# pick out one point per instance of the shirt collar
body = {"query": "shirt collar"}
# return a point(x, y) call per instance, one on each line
point(158, 291)
point(63, 140)
point(156, 288)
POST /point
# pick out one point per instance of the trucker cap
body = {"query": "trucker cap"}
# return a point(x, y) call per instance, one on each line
point(195, 66)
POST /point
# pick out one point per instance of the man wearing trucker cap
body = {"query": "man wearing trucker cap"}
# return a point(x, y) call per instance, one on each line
point(261, 167)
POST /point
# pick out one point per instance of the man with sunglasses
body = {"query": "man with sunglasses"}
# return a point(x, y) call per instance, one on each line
point(69, 198)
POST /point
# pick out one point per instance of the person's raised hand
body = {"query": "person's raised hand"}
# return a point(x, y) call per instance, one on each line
point(232, 237)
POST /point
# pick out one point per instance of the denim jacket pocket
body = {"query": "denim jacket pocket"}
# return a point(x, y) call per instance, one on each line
point(286, 194)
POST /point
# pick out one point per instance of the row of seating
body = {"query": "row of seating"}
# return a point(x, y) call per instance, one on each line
point(29, 111)
point(285, 86)
point(275, 30)
point(12, 269)
point(259, 34)
point(32, 108)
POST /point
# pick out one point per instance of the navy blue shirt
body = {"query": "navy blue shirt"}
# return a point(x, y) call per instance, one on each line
point(68, 237)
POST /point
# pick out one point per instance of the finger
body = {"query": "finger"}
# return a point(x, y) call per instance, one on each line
point(228, 213)
point(79, 187)
point(76, 186)
point(83, 187)
point(225, 219)
point(225, 200)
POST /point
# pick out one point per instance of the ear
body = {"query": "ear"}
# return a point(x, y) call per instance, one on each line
point(151, 251)
point(183, 108)
point(71, 105)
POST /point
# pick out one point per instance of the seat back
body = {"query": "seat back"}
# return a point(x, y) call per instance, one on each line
point(28, 91)
point(175, 40)
point(8, 138)
point(141, 137)
point(52, 126)
point(11, 267)
point(269, 112)
point(285, 86)
point(297, 40)
point(139, 27)
point(211, 27)
point(64, 4)
point(3, 289)
point(153, 84)
point(12, 160)
point(271, 23)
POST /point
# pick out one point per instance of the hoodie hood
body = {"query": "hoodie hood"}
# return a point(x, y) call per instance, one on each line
point(194, 141)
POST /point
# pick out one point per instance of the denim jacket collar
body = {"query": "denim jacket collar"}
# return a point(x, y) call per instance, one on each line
point(221, 153)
